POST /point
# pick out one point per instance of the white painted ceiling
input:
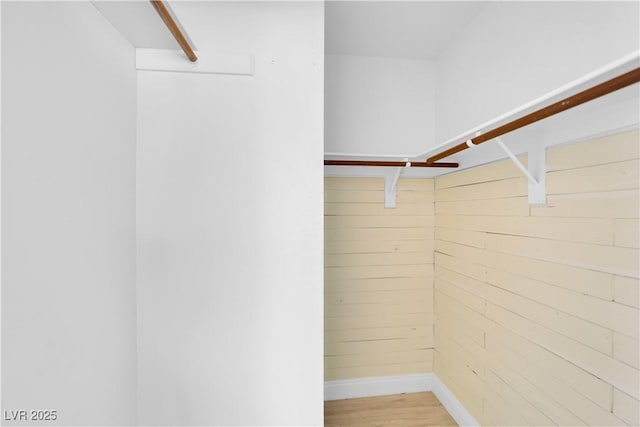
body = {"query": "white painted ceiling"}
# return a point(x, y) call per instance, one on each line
point(401, 29)
point(139, 23)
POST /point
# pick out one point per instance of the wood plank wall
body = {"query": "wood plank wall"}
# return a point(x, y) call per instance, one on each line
point(378, 278)
point(536, 308)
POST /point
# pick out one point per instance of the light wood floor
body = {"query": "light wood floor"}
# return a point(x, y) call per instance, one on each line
point(398, 410)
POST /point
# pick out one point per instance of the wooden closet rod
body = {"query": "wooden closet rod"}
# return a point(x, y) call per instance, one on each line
point(616, 83)
point(389, 163)
point(173, 27)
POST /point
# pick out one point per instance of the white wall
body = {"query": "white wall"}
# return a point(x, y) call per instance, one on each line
point(68, 217)
point(513, 52)
point(229, 225)
point(379, 105)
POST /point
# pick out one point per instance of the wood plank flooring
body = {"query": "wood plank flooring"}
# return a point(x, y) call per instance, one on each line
point(398, 410)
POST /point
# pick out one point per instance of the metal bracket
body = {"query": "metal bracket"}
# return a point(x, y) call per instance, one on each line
point(536, 173)
point(390, 185)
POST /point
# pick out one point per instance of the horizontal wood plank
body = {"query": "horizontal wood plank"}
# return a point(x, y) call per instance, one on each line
point(626, 407)
point(416, 184)
point(377, 234)
point(377, 209)
point(377, 321)
point(527, 302)
point(609, 259)
point(627, 233)
point(369, 309)
point(394, 296)
point(376, 197)
point(608, 314)
point(610, 149)
point(612, 204)
point(588, 230)
point(372, 346)
point(511, 206)
point(512, 187)
point(378, 272)
point(497, 171)
point(577, 378)
point(463, 237)
point(626, 290)
point(608, 177)
point(379, 246)
point(614, 372)
point(473, 262)
point(375, 358)
point(626, 349)
point(590, 412)
point(359, 221)
point(378, 259)
point(365, 371)
point(378, 284)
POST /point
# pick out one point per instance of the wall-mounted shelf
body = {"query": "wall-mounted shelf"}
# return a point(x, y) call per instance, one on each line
point(603, 81)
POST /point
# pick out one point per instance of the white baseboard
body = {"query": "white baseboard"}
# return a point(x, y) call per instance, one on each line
point(452, 404)
point(377, 386)
point(381, 386)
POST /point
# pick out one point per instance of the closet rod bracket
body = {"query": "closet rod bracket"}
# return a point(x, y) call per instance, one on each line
point(391, 184)
point(535, 173)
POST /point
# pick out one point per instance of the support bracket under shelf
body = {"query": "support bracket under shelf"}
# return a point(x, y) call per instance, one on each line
point(536, 172)
point(391, 184)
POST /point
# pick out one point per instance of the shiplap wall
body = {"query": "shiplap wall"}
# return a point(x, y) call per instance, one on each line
point(378, 278)
point(536, 308)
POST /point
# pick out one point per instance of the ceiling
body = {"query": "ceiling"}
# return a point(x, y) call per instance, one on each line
point(401, 29)
point(139, 23)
